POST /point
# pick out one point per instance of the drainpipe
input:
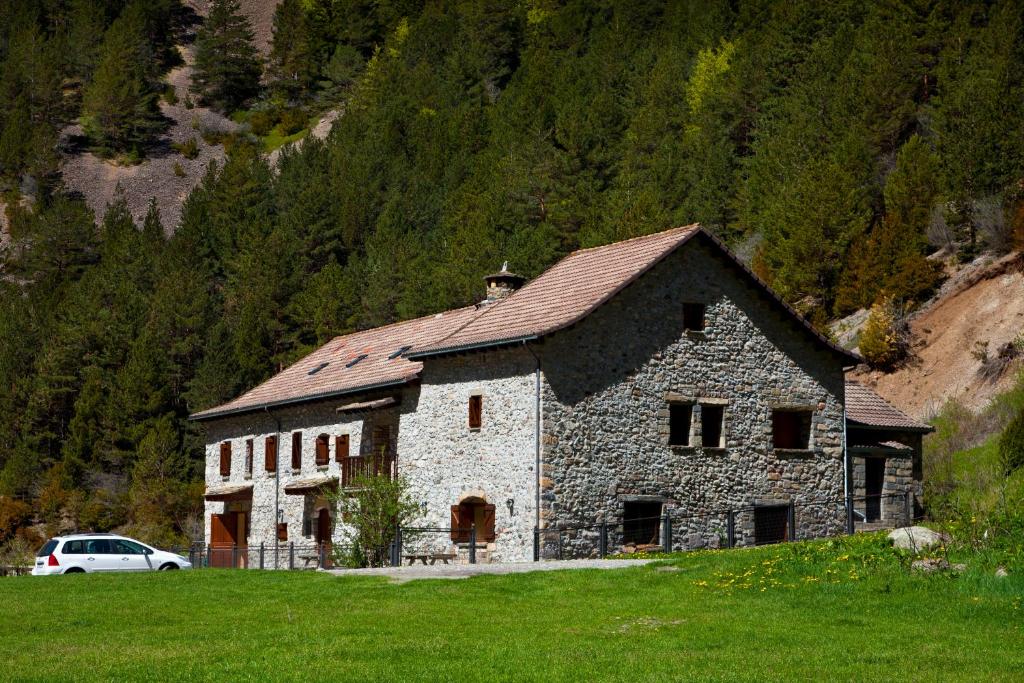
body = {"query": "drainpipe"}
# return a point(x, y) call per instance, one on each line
point(847, 502)
point(536, 444)
point(277, 479)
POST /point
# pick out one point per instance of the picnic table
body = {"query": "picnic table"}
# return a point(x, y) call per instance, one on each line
point(433, 557)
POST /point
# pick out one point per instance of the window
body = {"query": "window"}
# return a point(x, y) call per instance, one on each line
point(323, 455)
point(270, 454)
point(693, 317)
point(641, 522)
point(711, 418)
point(469, 513)
point(248, 457)
point(679, 417)
point(282, 531)
point(296, 450)
point(99, 546)
point(73, 548)
point(382, 440)
point(355, 360)
point(771, 524)
point(225, 459)
point(127, 548)
point(340, 447)
point(791, 429)
point(476, 411)
point(318, 368)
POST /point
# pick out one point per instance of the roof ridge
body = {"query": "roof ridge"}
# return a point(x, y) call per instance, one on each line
point(660, 233)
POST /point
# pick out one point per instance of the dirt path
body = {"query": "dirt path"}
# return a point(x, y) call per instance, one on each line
point(464, 571)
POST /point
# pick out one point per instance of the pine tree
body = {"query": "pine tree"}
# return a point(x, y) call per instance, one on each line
point(119, 106)
point(227, 67)
point(291, 67)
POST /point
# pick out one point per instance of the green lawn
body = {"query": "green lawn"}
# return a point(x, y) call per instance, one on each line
point(844, 609)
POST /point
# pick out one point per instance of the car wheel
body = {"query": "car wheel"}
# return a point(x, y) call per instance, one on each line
point(170, 566)
point(75, 570)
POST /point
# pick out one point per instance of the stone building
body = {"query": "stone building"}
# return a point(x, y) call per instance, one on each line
point(648, 378)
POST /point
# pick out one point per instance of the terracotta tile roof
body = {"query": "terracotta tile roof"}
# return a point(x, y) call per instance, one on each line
point(575, 286)
point(229, 492)
point(342, 371)
point(560, 297)
point(865, 407)
point(298, 487)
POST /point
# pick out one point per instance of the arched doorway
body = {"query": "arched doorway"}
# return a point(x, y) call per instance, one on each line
point(473, 511)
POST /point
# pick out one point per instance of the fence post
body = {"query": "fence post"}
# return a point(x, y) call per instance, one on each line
point(536, 544)
point(791, 521)
point(908, 506)
point(604, 539)
point(322, 554)
point(207, 555)
point(472, 543)
point(291, 555)
point(261, 554)
point(234, 556)
point(730, 529)
point(666, 533)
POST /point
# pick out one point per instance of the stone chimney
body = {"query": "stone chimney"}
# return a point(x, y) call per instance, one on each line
point(503, 283)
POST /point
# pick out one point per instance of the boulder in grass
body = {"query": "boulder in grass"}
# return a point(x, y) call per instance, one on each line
point(916, 538)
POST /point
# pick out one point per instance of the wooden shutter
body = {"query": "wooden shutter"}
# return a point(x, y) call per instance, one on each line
point(270, 454)
point(225, 459)
point(456, 533)
point(248, 457)
point(476, 411)
point(296, 450)
point(340, 447)
point(323, 455)
point(488, 530)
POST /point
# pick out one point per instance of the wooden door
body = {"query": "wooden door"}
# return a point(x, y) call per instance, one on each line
point(323, 534)
point(874, 480)
point(223, 539)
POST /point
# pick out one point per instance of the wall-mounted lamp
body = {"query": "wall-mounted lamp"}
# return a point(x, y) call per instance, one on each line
point(511, 503)
point(280, 515)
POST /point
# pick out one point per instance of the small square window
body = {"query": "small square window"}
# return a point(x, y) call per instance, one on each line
point(476, 411)
point(694, 317)
point(248, 457)
point(679, 417)
point(296, 450)
point(711, 419)
point(791, 429)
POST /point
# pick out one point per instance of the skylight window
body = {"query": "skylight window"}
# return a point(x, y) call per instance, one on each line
point(399, 352)
point(318, 368)
point(355, 360)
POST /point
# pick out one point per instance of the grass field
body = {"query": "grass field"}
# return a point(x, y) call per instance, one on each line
point(847, 609)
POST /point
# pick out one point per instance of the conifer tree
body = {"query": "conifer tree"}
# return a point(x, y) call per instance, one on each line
point(227, 68)
point(119, 106)
point(291, 67)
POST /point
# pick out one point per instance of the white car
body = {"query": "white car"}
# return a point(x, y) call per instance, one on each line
point(102, 553)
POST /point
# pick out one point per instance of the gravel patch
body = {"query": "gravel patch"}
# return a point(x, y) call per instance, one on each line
point(464, 571)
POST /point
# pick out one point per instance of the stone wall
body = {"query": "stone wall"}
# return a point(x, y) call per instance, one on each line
point(311, 420)
point(902, 473)
point(445, 461)
point(607, 387)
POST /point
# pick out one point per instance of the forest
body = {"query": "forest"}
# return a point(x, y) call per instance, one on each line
point(843, 149)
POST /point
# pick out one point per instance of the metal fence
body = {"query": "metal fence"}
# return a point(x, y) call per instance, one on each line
point(672, 531)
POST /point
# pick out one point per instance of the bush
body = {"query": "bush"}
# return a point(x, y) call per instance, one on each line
point(885, 340)
point(188, 149)
point(292, 121)
point(170, 95)
point(371, 510)
point(1011, 445)
point(178, 170)
point(262, 122)
point(14, 514)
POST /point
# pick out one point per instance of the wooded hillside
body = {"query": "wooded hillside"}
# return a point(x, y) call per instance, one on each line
point(834, 145)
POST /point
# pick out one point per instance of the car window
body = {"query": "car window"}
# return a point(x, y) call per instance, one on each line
point(73, 548)
point(47, 548)
point(97, 546)
point(129, 548)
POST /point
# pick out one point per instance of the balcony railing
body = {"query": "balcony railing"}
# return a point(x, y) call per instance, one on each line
point(354, 467)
